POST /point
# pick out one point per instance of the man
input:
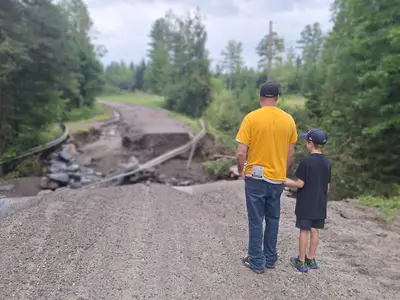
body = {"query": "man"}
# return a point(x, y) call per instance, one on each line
point(267, 136)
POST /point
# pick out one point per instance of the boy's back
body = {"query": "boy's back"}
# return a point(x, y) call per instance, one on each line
point(311, 200)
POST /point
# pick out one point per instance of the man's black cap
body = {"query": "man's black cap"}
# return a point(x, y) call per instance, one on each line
point(316, 135)
point(269, 90)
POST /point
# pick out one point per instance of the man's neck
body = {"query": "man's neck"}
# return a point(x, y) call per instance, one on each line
point(264, 104)
point(316, 152)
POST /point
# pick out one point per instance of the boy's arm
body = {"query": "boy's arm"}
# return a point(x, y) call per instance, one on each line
point(294, 184)
point(301, 176)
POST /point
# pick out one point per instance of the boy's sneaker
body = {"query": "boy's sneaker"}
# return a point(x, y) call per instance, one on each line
point(311, 263)
point(246, 262)
point(301, 266)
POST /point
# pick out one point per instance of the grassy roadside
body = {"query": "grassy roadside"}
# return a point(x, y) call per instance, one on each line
point(82, 120)
point(388, 207)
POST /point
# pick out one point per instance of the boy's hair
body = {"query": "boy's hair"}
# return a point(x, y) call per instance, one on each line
point(318, 147)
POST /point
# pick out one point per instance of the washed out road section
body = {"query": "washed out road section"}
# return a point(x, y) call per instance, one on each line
point(154, 242)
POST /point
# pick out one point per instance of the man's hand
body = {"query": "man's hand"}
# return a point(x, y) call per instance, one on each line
point(241, 158)
point(241, 175)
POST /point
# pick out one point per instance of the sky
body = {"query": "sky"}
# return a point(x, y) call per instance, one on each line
point(122, 26)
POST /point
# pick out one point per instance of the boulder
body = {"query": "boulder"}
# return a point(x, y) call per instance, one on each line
point(73, 168)
point(60, 177)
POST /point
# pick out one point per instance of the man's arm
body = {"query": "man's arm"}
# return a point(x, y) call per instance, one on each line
point(241, 158)
point(243, 137)
point(290, 154)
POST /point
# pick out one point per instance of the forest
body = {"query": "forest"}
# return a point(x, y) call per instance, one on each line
point(346, 81)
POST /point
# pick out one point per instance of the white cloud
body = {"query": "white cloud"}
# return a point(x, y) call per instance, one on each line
point(123, 26)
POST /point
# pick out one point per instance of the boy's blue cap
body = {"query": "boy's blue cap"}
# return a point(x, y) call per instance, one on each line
point(315, 135)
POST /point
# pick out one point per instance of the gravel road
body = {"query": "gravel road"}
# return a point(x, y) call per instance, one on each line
point(154, 242)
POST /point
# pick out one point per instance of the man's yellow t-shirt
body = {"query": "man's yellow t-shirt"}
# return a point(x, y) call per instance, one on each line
point(268, 132)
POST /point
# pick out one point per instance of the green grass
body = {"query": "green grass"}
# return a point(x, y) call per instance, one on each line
point(136, 98)
point(99, 113)
point(53, 132)
point(389, 207)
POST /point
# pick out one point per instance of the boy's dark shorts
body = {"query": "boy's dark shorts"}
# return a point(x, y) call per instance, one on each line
point(307, 224)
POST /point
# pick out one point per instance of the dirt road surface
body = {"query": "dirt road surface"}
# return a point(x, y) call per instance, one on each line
point(155, 242)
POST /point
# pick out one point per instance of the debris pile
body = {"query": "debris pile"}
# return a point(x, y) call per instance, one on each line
point(63, 171)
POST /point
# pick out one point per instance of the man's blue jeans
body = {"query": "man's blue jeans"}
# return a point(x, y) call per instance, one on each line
point(263, 200)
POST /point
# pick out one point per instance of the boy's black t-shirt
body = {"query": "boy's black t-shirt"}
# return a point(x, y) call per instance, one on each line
point(311, 200)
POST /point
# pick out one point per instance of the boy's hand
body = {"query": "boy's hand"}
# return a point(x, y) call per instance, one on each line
point(241, 175)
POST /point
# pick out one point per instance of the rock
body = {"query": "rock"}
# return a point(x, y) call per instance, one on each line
point(135, 178)
point(52, 185)
point(44, 181)
point(67, 152)
point(162, 178)
point(381, 234)
point(89, 171)
point(173, 181)
point(132, 164)
point(73, 168)
point(99, 174)
point(65, 156)
point(75, 184)
point(344, 215)
point(75, 177)
point(185, 183)
point(54, 169)
point(71, 149)
point(86, 180)
point(6, 187)
point(233, 172)
point(3, 208)
point(60, 177)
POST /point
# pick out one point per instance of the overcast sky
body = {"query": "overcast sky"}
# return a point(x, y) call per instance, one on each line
point(123, 25)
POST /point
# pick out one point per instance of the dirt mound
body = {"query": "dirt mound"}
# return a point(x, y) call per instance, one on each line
point(81, 138)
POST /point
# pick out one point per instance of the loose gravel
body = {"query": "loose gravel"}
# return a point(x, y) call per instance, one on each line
point(154, 242)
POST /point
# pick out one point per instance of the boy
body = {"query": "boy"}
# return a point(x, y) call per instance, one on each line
point(313, 183)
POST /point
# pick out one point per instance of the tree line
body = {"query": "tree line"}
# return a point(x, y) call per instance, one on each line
point(49, 65)
point(349, 76)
